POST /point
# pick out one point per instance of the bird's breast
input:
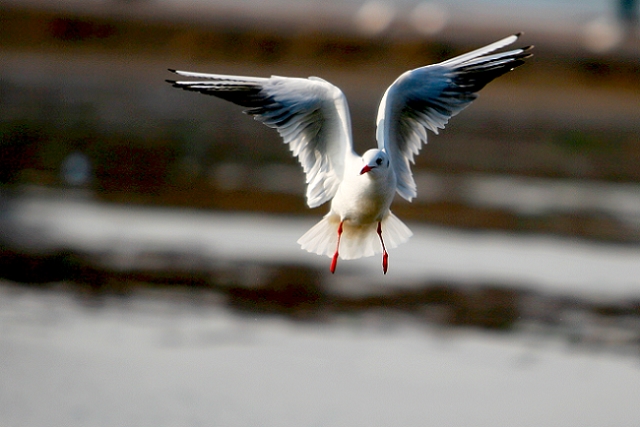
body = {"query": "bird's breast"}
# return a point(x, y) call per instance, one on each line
point(363, 199)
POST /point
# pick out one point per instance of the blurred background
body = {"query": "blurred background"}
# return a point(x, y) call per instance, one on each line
point(149, 271)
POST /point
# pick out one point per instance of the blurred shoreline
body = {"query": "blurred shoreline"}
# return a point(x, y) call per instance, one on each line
point(58, 232)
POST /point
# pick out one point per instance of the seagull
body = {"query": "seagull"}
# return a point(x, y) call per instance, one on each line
point(312, 117)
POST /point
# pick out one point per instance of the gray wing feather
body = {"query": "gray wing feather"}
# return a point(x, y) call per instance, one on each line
point(426, 98)
point(311, 115)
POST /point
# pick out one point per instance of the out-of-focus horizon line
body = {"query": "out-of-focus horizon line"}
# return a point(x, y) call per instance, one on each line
point(557, 26)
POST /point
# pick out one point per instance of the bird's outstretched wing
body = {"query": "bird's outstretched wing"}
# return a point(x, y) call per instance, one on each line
point(427, 97)
point(311, 115)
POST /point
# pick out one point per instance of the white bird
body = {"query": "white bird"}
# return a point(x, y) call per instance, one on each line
point(312, 116)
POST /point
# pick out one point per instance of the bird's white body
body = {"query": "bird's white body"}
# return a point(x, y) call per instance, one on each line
point(312, 116)
point(361, 202)
point(364, 198)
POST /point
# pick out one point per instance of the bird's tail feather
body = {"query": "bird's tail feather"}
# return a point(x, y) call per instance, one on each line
point(357, 241)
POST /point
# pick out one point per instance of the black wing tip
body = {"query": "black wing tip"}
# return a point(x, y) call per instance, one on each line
point(172, 70)
point(525, 53)
point(179, 85)
point(519, 34)
point(176, 84)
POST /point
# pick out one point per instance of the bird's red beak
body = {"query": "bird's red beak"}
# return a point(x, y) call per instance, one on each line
point(365, 169)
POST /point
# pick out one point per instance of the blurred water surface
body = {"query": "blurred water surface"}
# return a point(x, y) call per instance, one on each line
point(179, 359)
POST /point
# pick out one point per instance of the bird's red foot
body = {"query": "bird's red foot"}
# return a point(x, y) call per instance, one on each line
point(385, 262)
point(385, 255)
point(334, 261)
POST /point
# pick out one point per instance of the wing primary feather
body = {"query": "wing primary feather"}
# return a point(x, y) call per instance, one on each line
point(427, 97)
point(483, 50)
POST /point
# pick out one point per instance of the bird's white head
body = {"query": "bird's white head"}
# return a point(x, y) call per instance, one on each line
point(375, 161)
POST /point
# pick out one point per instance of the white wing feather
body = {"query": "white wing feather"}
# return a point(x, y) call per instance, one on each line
point(426, 98)
point(311, 115)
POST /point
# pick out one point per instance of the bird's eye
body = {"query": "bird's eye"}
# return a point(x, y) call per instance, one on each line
point(378, 161)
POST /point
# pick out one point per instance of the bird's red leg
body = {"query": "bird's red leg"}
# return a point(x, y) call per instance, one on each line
point(385, 255)
point(334, 261)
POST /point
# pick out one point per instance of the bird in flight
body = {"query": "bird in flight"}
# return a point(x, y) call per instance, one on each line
point(312, 117)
